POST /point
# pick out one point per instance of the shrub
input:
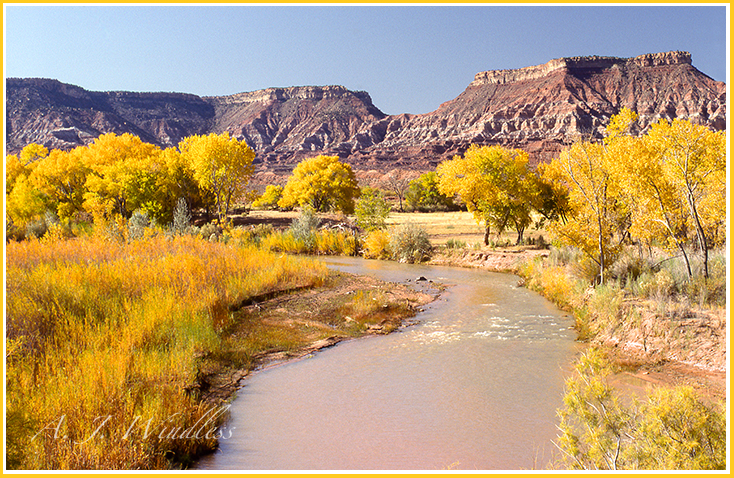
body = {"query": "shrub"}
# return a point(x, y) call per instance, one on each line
point(137, 224)
point(181, 218)
point(377, 245)
point(36, 228)
point(303, 227)
point(409, 243)
point(671, 429)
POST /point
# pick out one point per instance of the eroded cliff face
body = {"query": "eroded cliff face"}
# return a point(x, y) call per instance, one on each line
point(542, 108)
point(64, 116)
point(538, 108)
point(284, 125)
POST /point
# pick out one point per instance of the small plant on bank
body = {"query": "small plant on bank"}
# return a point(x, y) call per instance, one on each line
point(181, 218)
point(409, 243)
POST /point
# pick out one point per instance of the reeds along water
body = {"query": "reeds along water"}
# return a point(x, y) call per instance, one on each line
point(104, 341)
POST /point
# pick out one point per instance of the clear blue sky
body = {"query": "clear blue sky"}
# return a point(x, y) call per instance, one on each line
point(409, 58)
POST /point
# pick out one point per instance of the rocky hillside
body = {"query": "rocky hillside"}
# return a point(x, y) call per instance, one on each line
point(63, 116)
point(538, 108)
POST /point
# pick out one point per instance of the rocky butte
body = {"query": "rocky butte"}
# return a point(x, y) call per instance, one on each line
point(537, 108)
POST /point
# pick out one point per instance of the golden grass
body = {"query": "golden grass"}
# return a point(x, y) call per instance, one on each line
point(104, 344)
point(455, 225)
point(442, 226)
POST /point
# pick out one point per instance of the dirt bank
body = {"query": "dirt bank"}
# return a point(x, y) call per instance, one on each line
point(501, 260)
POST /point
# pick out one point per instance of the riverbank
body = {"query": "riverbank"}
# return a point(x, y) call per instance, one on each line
point(292, 326)
point(649, 343)
point(143, 332)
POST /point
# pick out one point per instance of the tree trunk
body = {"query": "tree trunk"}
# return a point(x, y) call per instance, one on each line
point(520, 233)
point(486, 234)
point(601, 254)
point(702, 242)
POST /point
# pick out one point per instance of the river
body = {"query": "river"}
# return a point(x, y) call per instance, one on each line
point(474, 385)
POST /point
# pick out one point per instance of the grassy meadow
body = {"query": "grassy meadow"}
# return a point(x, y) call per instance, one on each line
point(442, 227)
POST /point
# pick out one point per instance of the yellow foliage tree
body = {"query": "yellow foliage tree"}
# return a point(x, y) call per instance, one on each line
point(221, 165)
point(121, 175)
point(13, 170)
point(61, 177)
point(33, 152)
point(270, 198)
point(23, 201)
point(596, 220)
point(495, 184)
point(692, 160)
point(323, 183)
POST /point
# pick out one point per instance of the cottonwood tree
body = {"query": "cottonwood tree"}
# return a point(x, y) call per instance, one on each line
point(597, 219)
point(222, 166)
point(322, 183)
point(495, 184)
point(61, 177)
point(121, 172)
point(658, 213)
point(692, 162)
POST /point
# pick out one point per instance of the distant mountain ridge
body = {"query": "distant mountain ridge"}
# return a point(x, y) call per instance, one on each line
point(537, 108)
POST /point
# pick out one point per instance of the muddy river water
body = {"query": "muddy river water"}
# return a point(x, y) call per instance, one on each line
point(474, 385)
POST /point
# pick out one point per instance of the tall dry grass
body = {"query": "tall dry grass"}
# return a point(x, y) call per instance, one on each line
point(105, 339)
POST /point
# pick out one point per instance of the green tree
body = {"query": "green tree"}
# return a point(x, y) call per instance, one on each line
point(423, 194)
point(323, 183)
point(371, 209)
point(222, 165)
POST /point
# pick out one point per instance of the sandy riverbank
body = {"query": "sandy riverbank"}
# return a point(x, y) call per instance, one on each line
point(347, 306)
